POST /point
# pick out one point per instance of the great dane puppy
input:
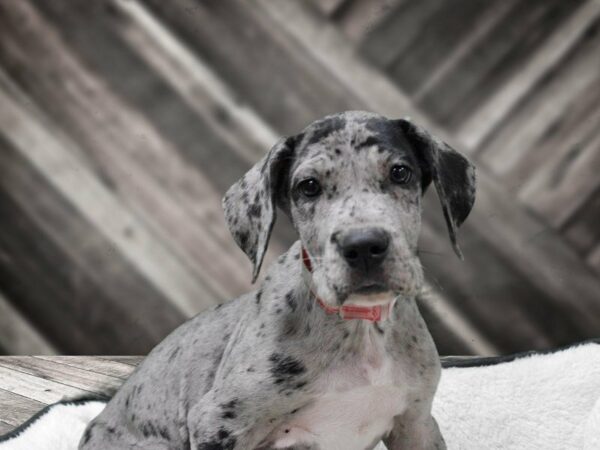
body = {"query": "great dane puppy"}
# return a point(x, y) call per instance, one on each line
point(331, 351)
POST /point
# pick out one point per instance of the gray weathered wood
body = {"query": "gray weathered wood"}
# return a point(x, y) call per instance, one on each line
point(17, 335)
point(493, 59)
point(27, 384)
point(127, 151)
point(497, 107)
point(5, 427)
point(94, 364)
point(61, 373)
point(39, 207)
point(16, 409)
point(358, 17)
point(550, 121)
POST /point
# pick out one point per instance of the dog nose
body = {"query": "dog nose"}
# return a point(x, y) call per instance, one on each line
point(365, 248)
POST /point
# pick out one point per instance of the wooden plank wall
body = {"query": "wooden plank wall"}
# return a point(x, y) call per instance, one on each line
point(123, 122)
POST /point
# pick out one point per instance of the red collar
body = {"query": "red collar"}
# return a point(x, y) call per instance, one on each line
point(348, 312)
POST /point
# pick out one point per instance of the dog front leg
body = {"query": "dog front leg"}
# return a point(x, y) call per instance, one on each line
point(415, 434)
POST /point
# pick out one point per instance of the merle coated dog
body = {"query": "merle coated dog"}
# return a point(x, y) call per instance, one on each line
point(331, 351)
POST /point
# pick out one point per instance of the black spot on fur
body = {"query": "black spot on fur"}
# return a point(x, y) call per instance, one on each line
point(148, 429)
point(173, 354)
point(229, 409)
point(221, 441)
point(258, 296)
point(291, 301)
point(285, 368)
point(254, 210)
point(87, 435)
point(326, 127)
point(369, 142)
point(243, 239)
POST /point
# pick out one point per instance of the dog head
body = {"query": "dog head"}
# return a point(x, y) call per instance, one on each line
point(352, 184)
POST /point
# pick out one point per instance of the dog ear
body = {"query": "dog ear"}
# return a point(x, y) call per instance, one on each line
point(452, 174)
point(250, 204)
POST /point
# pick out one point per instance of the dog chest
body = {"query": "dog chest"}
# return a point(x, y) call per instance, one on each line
point(353, 406)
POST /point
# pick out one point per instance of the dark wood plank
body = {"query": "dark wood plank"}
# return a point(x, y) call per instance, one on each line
point(130, 156)
point(551, 55)
point(359, 17)
point(489, 291)
point(594, 257)
point(565, 184)
point(492, 61)
point(70, 299)
point(17, 335)
point(284, 84)
point(582, 229)
point(329, 7)
point(396, 31)
point(441, 34)
point(539, 131)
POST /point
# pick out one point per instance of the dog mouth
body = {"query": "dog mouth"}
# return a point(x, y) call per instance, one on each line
point(371, 288)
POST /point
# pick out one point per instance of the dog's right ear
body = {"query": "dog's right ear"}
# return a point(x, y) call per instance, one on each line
point(250, 204)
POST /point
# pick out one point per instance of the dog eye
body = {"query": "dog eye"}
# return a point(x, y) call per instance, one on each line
point(309, 187)
point(400, 174)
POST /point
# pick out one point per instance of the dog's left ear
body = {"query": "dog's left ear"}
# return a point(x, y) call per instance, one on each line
point(452, 174)
point(250, 204)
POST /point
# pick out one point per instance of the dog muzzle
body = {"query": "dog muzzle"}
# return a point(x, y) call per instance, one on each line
point(374, 313)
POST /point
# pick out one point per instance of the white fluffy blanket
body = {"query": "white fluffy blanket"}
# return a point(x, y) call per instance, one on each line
point(524, 402)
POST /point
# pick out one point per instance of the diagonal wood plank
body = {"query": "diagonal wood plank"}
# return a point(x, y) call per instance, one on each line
point(486, 118)
point(5, 427)
point(50, 156)
point(17, 335)
point(73, 302)
point(143, 170)
point(68, 375)
point(195, 81)
point(559, 107)
point(131, 360)
point(35, 388)
point(92, 364)
point(16, 409)
point(171, 167)
point(494, 59)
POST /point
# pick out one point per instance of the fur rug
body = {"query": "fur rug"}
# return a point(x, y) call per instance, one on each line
point(541, 401)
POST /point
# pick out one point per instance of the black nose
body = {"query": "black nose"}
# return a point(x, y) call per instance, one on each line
point(365, 248)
